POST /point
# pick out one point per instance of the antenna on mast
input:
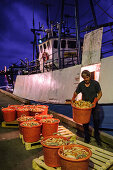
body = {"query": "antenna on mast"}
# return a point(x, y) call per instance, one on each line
point(47, 9)
point(35, 38)
point(33, 19)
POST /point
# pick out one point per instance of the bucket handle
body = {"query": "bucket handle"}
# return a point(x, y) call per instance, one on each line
point(23, 115)
point(37, 114)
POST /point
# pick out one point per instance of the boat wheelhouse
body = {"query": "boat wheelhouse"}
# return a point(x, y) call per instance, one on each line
point(48, 53)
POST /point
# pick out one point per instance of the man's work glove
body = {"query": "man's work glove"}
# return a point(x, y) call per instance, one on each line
point(72, 101)
point(95, 101)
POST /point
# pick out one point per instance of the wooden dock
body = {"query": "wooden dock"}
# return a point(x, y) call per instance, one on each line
point(100, 160)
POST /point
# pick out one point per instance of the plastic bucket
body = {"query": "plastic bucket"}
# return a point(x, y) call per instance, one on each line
point(24, 119)
point(15, 106)
point(22, 111)
point(71, 163)
point(45, 107)
point(29, 106)
point(80, 115)
point(9, 114)
point(38, 117)
point(51, 157)
point(31, 134)
point(35, 110)
point(48, 129)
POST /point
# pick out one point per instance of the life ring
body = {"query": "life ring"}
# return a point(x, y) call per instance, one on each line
point(45, 56)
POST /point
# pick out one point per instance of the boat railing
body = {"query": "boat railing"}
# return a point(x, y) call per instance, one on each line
point(67, 59)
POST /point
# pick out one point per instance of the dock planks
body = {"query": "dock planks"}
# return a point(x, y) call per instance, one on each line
point(100, 160)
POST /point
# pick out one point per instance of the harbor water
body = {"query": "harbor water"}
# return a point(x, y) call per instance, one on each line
point(5, 83)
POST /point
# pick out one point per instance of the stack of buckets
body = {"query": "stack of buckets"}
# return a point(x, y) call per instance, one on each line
point(32, 126)
point(12, 112)
point(32, 133)
point(32, 114)
point(53, 155)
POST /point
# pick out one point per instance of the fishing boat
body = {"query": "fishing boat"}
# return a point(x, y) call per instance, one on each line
point(56, 72)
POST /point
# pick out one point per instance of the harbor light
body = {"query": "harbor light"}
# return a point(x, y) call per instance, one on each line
point(40, 41)
point(5, 68)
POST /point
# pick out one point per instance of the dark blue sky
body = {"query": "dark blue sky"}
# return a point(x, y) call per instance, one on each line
point(16, 20)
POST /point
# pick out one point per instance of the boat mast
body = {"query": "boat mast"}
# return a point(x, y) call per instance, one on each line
point(60, 30)
point(47, 8)
point(93, 13)
point(77, 26)
point(47, 16)
point(34, 35)
point(35, 39)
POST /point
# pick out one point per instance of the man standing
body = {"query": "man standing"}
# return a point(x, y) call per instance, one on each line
point(91, 91)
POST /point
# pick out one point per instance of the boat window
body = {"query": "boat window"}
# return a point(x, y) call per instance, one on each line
point(41, 48)
point(44, 45)
point(55, 43)
point(71, 44)
point(63, 44)
point(48, 44)
point(93, 75)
